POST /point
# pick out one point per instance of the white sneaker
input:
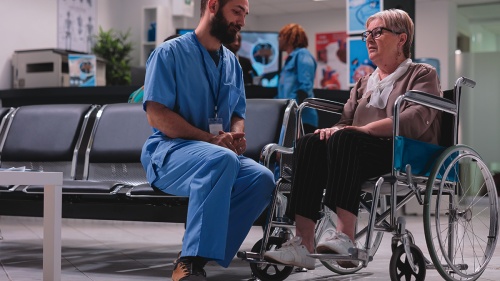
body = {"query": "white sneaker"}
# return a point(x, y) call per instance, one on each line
point(291, 253)
point(333, 242)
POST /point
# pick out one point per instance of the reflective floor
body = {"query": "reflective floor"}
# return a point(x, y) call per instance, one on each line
point(121, 250)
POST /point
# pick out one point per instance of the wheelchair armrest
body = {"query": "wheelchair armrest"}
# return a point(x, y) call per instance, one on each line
point(322, 104)
point(269, 150)
point(430, 101)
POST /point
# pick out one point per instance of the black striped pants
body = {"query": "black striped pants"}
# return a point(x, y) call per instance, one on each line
point(339, 165)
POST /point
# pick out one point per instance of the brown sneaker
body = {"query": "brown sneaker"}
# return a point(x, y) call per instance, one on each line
point(185, 270)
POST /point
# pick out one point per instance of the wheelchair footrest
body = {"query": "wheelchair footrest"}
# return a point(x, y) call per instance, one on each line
point(248, 255)
point(460, 266)
point(354, 255)
point(256, 258)
point(333, 257)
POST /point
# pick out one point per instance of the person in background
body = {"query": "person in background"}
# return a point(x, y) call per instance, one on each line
point(137, 95)
point(359, 147)
point(297, 76)
point(194, 98)
point(246, 65)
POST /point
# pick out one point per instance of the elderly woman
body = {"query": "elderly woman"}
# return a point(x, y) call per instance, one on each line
point(297, 76)
point(339, 159)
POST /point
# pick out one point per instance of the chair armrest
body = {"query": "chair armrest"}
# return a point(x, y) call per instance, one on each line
point(269, 150)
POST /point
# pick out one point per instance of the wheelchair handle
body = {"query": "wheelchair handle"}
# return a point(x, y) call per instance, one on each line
point(464, 81)
point(322, 104)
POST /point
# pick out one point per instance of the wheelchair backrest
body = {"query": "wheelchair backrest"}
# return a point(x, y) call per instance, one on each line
point(447, 122)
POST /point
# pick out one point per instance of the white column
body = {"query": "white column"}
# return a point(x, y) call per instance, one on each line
point(436, 35)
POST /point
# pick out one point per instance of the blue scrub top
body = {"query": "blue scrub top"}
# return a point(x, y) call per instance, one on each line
point(298, 74)
point(181, 75)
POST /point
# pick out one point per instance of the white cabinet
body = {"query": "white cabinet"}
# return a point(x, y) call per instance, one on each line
point(160, 16)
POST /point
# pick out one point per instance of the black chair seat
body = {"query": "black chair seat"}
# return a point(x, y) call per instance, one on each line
point(146, 190)
point(82, 187)
point(6, 188)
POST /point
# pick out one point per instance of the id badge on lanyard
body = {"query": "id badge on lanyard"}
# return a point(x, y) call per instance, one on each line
point(215, 125)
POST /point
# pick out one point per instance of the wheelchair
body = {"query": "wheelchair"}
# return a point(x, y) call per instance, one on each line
point(450, 181)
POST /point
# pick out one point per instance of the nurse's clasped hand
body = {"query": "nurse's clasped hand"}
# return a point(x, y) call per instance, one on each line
point(234, 141)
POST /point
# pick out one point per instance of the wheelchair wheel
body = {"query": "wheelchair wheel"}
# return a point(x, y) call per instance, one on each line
point(362, 222)
point(397, 242)
point(460, 214)
point(270, 272)
point(400, 268)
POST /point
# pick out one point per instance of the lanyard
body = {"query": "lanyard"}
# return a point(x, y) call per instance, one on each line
point(215, 89)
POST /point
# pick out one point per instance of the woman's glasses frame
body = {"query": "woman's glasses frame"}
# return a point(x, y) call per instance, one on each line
point(376, 33)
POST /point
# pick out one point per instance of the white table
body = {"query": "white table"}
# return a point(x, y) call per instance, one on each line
point(52, 205)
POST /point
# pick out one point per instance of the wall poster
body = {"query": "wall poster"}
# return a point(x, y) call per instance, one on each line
point(358, 11)
point(82, 70)
point(331, 55)
point(76, 24)
point(359, 62)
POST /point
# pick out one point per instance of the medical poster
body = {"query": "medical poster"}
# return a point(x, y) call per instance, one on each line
point(262, 49)
point(331, 56)
point(76, 24)
point(359, 62)
point(82, 70)
point(358, 11)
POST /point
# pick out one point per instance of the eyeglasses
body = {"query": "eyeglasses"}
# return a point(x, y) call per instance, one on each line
point(376, 32)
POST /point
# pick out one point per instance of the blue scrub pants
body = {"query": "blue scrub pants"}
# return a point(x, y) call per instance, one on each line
point(227, 193)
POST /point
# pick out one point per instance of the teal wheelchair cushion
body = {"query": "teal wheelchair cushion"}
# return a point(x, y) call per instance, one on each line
point(420, 155)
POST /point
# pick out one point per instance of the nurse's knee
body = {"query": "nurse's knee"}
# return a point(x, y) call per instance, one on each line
point(225, 160)
point(265, 179)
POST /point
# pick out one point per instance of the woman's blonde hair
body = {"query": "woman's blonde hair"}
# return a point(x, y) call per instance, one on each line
point(294, 35)
point(398, 21)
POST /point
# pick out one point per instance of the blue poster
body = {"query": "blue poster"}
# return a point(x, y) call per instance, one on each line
point(359, 62)
point(358, 11)
point(82, 70)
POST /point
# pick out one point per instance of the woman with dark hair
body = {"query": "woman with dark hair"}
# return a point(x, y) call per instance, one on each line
point(297, 76)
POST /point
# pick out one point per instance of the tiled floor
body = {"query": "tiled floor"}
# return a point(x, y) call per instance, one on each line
point(118, 250)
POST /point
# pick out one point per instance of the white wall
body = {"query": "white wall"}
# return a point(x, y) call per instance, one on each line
point(480, 105)
point(435, 35)
point(124, 15)
point(25, 25)
point(483, 40)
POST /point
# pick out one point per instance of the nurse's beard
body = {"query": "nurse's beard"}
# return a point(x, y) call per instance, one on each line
point(222, 29)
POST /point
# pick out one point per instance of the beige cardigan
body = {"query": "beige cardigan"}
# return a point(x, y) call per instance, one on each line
point(416, 121)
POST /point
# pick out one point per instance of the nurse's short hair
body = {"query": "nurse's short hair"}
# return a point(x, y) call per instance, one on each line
point(204, 3)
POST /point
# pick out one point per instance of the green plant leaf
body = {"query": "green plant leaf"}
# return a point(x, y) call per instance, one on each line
point(115, 48)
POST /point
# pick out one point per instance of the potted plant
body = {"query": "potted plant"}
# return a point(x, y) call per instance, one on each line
point(115, 48)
